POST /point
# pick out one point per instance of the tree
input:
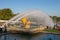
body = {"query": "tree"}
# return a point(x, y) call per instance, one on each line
point(6, 14)
point(55, 18)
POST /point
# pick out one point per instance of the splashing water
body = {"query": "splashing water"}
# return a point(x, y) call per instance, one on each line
point(35, 16)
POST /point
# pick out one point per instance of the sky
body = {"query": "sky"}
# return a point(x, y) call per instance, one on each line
point(51, 7)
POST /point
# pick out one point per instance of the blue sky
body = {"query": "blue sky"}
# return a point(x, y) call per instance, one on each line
point(51, 7)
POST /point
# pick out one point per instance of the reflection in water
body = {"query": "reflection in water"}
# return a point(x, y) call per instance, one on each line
point(29, 37)
point(4, 37)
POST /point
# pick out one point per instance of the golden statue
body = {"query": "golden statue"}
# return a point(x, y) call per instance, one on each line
point(25, 22)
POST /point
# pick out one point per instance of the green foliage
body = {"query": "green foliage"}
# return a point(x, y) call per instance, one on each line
point(58, 19)
point(55, 18)
point(57, 31)
point(6, 14)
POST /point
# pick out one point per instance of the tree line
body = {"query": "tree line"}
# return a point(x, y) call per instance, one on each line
point(55, 19)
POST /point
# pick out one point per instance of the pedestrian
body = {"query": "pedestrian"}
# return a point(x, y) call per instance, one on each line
point(59, 27)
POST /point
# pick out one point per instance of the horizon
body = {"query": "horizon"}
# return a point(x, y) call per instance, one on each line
point(51, 7)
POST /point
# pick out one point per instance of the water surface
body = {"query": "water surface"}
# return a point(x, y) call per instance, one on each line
point(30, 37)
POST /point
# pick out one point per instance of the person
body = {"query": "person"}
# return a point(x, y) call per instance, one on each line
point(59, 27)
point(47, 27)
point(0, 29)
point(5, 28)
point(54, 27)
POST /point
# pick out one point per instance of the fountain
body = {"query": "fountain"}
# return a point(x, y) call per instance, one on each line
point(35, 18)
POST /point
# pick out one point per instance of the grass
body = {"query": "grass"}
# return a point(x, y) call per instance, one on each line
point(57, 31)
